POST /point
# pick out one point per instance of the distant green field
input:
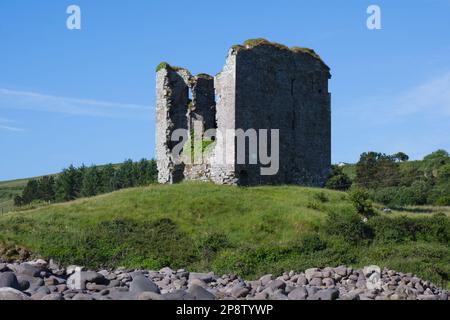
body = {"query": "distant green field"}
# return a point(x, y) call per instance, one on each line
point(9, 189)
point(247, 231)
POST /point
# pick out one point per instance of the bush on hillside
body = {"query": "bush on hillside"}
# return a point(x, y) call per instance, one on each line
point(416, 194)
point(310, 243)
point(347, 225)
point(362, 203)
point(439, 195)
point(124, 242)
point(18, 201)
point(443, 201)
point(398, 229)
point(338, 180)
point(436, 228)
point(321, 197)
point(406, 229)
point(212, 244)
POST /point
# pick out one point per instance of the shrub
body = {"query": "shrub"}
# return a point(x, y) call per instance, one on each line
point(436, 228)
point(120, 241)
point(361, 202)
point(396, 229)
point(444, 174)
point(384, 196)
point(310, 243)
point(212, 244)
point(404, 229)
point(314, 205)
point(249, 262)
point(347, 225)
point(338, 251)
point(416, 194)
point(443, 201)
point(438, 194)
point(338, 180)
point(18, 201)
point(321, 197)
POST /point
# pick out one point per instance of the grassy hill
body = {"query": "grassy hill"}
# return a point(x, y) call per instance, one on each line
point(9, 189)
point(248, 231)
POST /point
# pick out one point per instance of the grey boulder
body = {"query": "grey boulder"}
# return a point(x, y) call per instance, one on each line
point(8, 280)
point(28, 269)
point(12, 294)
point(78, 280)
point(149, 296)
point(299, 293)
point(205, 277)
point(53, 297)
point(200, 293)
point(82, 296)
point(141, 283)
point(178, 295)
point(327, 294)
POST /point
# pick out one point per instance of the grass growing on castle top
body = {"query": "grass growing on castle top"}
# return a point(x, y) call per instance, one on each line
point(261, 41)
point(165, 65)
point(252, 43)
point(162, 65)
point(306, 50)
point(248, 231)
point(204, 75)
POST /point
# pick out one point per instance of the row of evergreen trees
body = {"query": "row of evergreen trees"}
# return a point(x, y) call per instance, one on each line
point(73, 182)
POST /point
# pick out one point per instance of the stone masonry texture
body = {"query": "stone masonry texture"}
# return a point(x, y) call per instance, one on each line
point(263, 85)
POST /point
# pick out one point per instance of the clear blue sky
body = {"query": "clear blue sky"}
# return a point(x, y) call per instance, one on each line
point(88, 96)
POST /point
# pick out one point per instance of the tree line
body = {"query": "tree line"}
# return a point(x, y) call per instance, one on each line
point(395, 181)
point(76, 182)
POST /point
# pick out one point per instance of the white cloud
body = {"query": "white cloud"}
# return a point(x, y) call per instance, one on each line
point(415, 120)
point(22, 100)
point(432, 96)
point(5, 124)
point(429, 99)
point(9, 128)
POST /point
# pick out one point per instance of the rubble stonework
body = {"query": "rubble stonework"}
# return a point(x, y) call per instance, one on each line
point(263, 85)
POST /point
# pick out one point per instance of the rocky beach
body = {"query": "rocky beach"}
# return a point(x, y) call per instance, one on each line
point(46, 280)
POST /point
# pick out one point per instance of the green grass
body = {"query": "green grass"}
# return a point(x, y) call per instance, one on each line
point(8, 190)
point(11, 188)
point(165, 65)
point(248, 231)
point(251, 43)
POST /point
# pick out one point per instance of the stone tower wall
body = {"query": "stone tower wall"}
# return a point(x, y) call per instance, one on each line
point(263, 86)
point(223, 168)
point(286, 90)
point(172, 99)
point(175, 110)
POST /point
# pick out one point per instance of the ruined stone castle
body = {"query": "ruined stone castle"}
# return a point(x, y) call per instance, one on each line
point(263, 86)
